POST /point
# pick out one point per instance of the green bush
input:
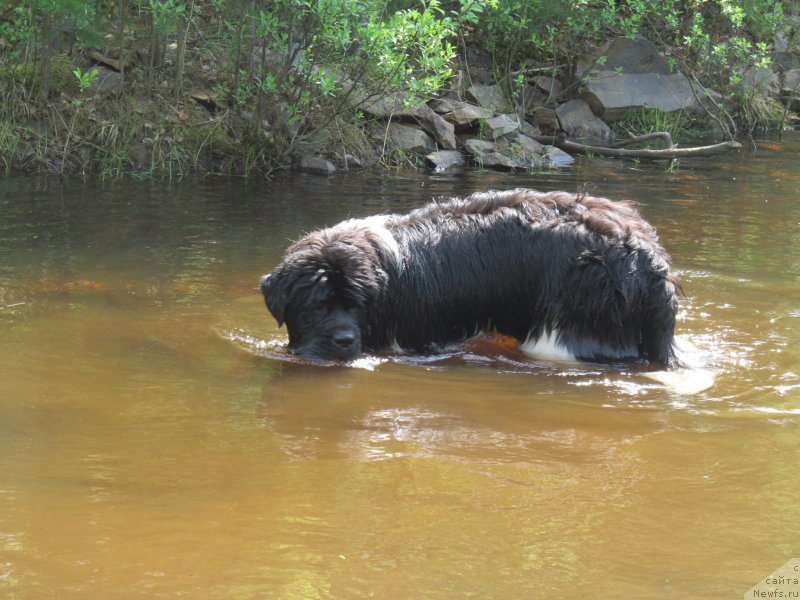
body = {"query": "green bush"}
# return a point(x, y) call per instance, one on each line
point(317, 60)
point(714, 41)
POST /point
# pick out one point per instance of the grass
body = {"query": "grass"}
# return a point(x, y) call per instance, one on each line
point(650, 120)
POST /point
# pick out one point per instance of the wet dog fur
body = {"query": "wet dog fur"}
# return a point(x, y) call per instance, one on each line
point(569, 276)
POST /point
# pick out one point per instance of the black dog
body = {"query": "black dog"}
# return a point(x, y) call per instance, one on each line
point(569, 276)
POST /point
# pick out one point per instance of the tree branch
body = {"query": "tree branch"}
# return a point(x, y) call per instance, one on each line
point(646, 153)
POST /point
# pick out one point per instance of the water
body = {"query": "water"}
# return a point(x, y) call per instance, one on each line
point(156, 443)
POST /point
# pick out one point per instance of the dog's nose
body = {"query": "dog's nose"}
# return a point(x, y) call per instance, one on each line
point(344, 339)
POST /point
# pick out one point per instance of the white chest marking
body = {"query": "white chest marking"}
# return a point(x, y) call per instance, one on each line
point(546, 347)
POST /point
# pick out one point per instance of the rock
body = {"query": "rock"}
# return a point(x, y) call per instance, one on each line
point(633, 75)
point(790, 81)
point(394, 106)
point(205, 98)
point(527, 144)
point(611, 96)
point(316, 165)
point(466, 115)
point(529, 99)
point(411, 139)
point(501, 125)
point(780, 43)
point(444, 105)
point(578, 121)
point(625, 55)
point(352, 161)
point(479, 147)
point(443, 131)
point(546, 120)
point(529, 130)
point(762, 81)
point(118, 62)
point(387, 106)
point(444, 159)
point(790, 89)
point(555, 157)
point(549, 85)
point(516, 151)
point(481, 64)
point(107, 79)
point(490, 97)
point(314, 142)
point(139, 156)
point(485, 154)
point(785, 61)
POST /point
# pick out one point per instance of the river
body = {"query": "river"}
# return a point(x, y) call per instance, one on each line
point(156, 443)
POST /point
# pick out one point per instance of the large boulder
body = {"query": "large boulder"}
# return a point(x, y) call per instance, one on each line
point(630, 74)
point(761, 81)
point(612, 95)
point(411, 139)
point(578, 121)
point(394, 106)
point(625, 55)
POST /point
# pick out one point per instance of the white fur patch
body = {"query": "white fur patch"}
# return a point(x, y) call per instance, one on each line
point(546, 347)
point(377, 225)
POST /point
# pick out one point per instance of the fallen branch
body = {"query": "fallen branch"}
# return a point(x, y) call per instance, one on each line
point(646, 153)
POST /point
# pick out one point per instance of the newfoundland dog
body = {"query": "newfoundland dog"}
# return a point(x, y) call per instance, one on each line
point(569, 276)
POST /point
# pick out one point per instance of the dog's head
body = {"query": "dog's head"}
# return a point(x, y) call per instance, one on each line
point(323, 290)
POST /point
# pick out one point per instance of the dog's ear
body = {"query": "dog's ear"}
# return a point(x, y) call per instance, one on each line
point(276, 295)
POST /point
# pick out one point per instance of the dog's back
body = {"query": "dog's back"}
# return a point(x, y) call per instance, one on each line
point(584, 273)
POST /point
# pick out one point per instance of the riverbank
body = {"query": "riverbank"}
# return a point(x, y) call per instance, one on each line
point(161, 89)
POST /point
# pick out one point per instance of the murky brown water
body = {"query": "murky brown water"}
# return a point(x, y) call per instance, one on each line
point(152, 444)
